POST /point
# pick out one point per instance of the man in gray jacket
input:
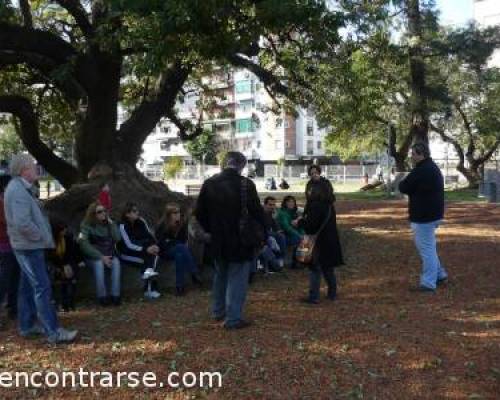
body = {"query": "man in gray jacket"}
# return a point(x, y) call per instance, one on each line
point(30, 234)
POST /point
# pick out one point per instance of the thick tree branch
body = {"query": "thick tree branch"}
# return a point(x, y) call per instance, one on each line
point(489, 153)
point(76, 10)
point(449, 139)
point(267, 77)
point(468, 128)
point(26, 12)
point(45, 68)
point(34, 45)
point(186, 129)
point(146, 116)
point(21, 108)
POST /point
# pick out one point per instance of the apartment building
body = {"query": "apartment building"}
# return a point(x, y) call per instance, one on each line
point(487, 13)
point(240, 112)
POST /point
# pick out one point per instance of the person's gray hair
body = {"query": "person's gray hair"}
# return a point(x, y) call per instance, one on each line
point(422, 149)
point(19, 162)
point(235, 160)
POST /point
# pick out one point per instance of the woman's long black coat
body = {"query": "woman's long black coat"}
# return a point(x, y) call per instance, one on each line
point(327, 252)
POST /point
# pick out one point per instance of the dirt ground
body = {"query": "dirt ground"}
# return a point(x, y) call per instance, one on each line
point(377, 341)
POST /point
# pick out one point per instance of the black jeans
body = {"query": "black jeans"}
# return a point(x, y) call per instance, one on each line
point(315, 281)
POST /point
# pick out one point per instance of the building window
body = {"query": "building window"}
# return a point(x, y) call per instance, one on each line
point(310, 147)
point(244, 125)
point(287, 144)
point(279, 122)
point(310, 128)
point(319, 145)
point(258, 144)
point(244, 86)
point(165, 129)
point(287, 124)
point(246, 105)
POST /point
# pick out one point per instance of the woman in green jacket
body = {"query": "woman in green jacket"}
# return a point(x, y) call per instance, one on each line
point(286, 214)
point(97, 239)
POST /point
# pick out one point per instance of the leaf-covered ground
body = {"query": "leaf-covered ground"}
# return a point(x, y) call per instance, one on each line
point(378, 341)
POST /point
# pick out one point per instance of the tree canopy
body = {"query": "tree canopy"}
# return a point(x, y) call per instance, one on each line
point(67, 65)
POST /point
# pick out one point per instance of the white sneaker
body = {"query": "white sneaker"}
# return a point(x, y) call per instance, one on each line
point(152, 294)
point(281, 263)
point(149, 273)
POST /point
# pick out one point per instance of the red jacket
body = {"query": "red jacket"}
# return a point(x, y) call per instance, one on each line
point(105, 200)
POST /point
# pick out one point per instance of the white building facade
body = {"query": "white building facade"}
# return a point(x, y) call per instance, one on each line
point(242, 119)
point(487, 13)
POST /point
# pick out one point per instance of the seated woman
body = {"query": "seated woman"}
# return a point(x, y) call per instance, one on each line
point(97, 239)
point(138, 247)
point(63, 261)
point(286, 215)
point(172, 236)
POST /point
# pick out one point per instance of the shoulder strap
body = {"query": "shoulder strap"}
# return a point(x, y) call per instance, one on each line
point(244, 201)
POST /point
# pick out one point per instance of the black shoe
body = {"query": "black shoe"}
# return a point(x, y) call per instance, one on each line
point(180, 291)
point(442, 282)
point(104, 301)
point(12, 314)
point(308, 300)
point(241, 324)
point(196, 280)
point(220, 318)
point(422, 289)
point(116, 300)
point(331, 298)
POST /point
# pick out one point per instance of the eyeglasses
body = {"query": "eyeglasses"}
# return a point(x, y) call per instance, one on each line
point(100, 211)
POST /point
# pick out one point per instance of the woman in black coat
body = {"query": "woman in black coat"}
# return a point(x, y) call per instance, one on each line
point(327, 252)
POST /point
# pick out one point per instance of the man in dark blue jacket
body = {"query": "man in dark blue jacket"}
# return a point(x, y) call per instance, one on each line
point(425, 189)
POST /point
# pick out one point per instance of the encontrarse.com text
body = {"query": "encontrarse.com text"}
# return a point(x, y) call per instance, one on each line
point(91, 379)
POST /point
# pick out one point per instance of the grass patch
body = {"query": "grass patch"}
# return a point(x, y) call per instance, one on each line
point(464, 194)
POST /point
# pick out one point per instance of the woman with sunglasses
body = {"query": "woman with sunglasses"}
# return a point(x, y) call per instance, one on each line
point(138, 247)
point(172, 238)
point(97, 239)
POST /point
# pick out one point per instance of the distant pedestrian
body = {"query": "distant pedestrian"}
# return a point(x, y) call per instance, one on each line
point(425, 189)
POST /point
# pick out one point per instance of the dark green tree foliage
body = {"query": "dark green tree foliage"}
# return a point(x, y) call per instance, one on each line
point(73, 62)
point(468, 117)
point(380, 93)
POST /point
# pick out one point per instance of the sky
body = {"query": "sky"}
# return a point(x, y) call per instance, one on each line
point(455, 12)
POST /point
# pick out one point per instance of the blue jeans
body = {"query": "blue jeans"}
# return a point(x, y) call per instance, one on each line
point(315, 281)
point(35, 293)
point(268, 256)
point(425, 241)
point(100, 278)
point(184, 262)
point(230, 290)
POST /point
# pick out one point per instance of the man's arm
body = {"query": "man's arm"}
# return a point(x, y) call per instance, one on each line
point(21, 217)
point(201, 211)
point(409, 184)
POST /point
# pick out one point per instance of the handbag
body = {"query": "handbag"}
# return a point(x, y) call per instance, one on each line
point(252, 233)
point(306, 246)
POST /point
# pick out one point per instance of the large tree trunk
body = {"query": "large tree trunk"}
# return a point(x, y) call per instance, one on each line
point(127, 185)
point(472, 174)
point(420, 116)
